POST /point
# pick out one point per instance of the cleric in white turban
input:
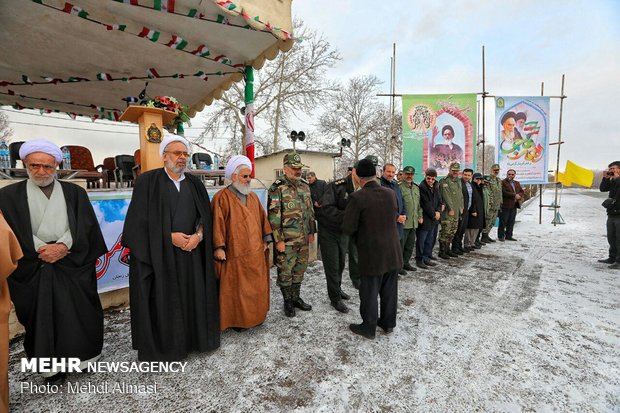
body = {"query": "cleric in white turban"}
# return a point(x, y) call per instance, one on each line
point(54, 287)
point(241, 233)
point(171, 276)
point(40, 145)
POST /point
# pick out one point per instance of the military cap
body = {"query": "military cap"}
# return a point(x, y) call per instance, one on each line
point(293, 160)
point(486, 178)
point(409, 170)
point(373, 159)
point(495, 166)
point(477, 175)
point(455, 166)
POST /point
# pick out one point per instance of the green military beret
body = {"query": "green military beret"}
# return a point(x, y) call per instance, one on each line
point(455, 166)
point(495, 166)
point(373, 159)
point(293, 160)
point(409, 170)
point(486, 178)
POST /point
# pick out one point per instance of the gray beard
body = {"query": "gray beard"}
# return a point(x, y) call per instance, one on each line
point(174, 168)
point(508, 136)
point(243, 189)
point(41, 183)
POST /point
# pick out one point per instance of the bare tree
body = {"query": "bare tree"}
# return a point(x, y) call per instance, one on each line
point(352, 113)
point(5, 128)
point(387, 137)
point(489, 157)
point(293, 82)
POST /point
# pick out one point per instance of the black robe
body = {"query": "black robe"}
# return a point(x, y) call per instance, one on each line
point(57, 303)
point(174, 298)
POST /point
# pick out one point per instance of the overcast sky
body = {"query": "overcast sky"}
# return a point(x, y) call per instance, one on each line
point(438, 50)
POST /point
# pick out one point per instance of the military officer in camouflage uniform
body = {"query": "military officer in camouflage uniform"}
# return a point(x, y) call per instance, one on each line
point(495, 203)
point(292, 219)
point(452, 195)
point(411, 196)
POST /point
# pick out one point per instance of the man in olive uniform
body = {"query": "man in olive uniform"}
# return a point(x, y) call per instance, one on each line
point(411, 196)
point(495, 202)
point(452, 195)
point(292, 219)
point(486, 202)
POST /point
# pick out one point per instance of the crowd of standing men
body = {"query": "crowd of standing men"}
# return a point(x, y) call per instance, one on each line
point(200, 266)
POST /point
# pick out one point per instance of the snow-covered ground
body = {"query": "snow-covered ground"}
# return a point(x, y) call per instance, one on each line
point(532, 325)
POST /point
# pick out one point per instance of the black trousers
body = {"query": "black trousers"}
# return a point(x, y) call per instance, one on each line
point(407, 245)
point(506, 222)
point(457, 241)
point(386, 288)
point(333, 253)
point(613, 236)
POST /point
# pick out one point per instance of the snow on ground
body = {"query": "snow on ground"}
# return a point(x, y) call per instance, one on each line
point(532, 325)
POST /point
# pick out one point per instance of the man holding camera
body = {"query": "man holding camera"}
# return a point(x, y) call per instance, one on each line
point(611, 184)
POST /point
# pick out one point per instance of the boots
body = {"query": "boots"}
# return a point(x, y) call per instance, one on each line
point(456, 249)
point(450, 252)
point(297, 301)
point(443, 246)
point(289, 307)
point(486, 238)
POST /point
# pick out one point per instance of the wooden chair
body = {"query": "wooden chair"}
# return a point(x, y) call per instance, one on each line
point(82, 159)
point(109, 169)
point(137, 168)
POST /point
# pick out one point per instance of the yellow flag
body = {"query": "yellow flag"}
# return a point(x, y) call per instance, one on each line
point(578, 175)
point(562, 179)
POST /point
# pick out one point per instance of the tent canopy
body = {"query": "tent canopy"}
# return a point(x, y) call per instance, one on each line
point(83, 57)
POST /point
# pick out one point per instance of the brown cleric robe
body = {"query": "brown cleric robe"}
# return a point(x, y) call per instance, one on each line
point(244, 276)
point(10, 253)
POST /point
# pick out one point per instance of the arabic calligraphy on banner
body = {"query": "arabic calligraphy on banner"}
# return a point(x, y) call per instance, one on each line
point(522, 137)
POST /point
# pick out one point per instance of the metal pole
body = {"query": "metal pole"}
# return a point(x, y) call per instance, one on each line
point(540, 187)
point(484, 95)
point(557, 166)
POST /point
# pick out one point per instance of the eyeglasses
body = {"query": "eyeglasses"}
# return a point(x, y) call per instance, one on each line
point(178, 153)
point(36, 166)
point(245, 176)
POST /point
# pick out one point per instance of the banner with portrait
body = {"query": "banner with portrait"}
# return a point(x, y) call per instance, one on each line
point(439, 130)
point(522, 137)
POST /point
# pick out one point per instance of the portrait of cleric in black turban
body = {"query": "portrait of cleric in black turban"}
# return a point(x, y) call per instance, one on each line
point(447, 148)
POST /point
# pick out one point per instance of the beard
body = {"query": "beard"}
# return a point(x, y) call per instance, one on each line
point(242, 188)
point(508, 136)
point(174, 168)
point(41, 181)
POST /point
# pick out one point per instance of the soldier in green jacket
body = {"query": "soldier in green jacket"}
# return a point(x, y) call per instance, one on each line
point(486, 200)
point(411, 196)
point(291, 217)
point(495, 202)
point(452, 195)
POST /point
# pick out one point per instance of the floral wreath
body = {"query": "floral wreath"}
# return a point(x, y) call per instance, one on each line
point(171, 104)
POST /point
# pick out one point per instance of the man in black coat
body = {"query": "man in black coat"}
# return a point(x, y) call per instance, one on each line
point(467, 189)
point(430, 202)
point(611, 184)
point(172, 283)
point(475, 221)
point(370, 218)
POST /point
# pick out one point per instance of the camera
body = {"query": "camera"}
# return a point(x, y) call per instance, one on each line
point(609, 174)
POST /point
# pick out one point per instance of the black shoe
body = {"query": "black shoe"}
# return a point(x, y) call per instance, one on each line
point(511, 239)
point(301, 304)
point(452, 254)
point(500, 239)
point(358, 329)
point(457, 251)
point(607, 261)
point(239, 329)
point(421, 264)
point(408, 267)
point(402, 272)
point(486, 238)
point(615, 266)
point(432, 258)
point(289, 308)
point(57, 379)
point(386, 330)
point(477, 247)
point(339, 306)
point(344, 295)
point(430, 263)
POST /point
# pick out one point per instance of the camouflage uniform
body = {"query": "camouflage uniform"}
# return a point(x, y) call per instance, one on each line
point(452, 195)
point(495, 202)
point(291, 216)
point(411, 197)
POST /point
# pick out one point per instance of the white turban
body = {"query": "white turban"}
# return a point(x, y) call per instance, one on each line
point(168, 139)
point(234, 163)
point(40, 145)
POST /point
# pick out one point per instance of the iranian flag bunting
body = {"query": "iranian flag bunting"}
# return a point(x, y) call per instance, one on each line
point(177, 43)
point(152, 73)
point(119, 27)
point(104, 76)
point(132, 2)
point(147, 33)
point(202, 51)
point(74, 10)
point(202, 75)
point(228, 5)
point(164, 5)
point(26, 79)
point(194, 13)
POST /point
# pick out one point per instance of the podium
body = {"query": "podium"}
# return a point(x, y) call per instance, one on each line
point(151, 122)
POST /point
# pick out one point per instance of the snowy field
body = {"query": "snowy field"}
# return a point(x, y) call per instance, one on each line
point(523, 326)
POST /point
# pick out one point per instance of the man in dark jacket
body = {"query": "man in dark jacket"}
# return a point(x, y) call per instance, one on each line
point(467, 190)
point(512, 196)
point(611, 184)
point(388, 181)
point(430, 202)
point(317, 188)
point(369, 217)
point(475, 221)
